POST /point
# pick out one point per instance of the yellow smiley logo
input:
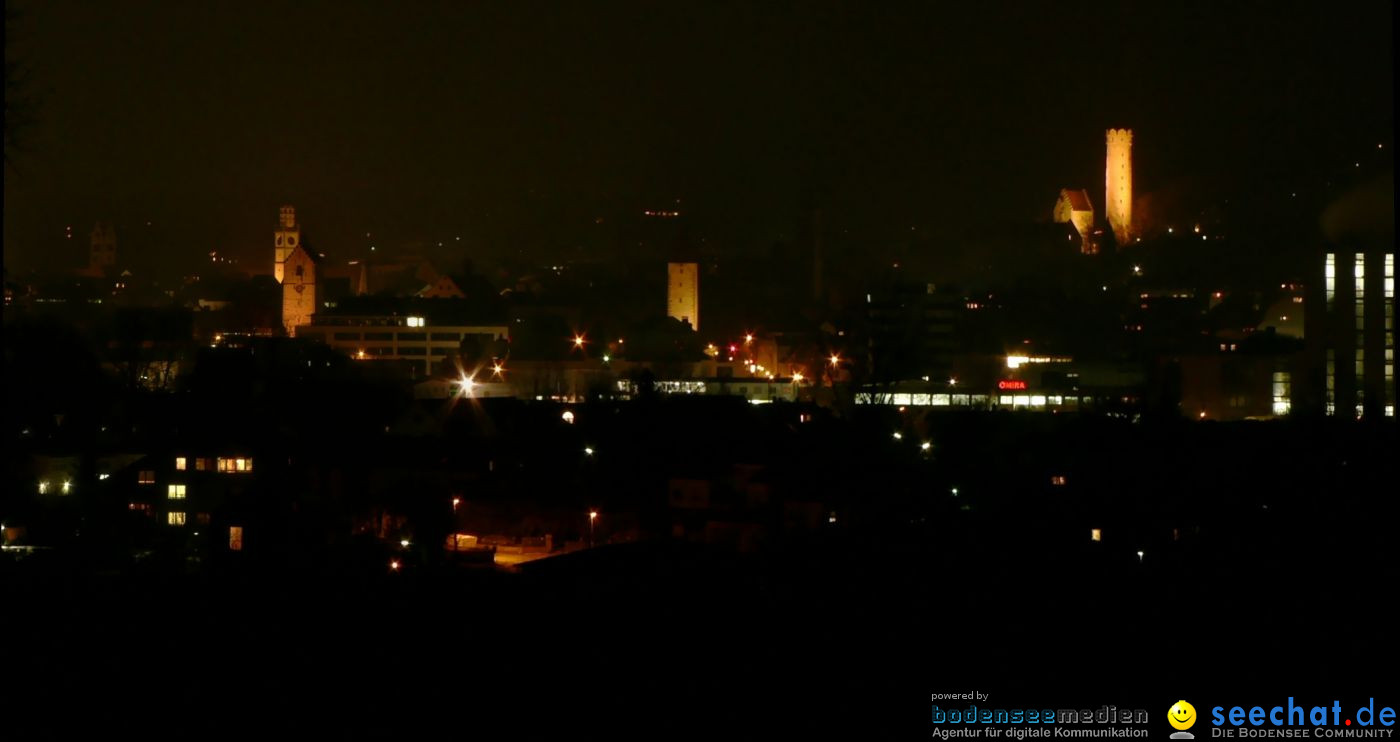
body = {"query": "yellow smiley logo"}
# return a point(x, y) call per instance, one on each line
point(1181, 715)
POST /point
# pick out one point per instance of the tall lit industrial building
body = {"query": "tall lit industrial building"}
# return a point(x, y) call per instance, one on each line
point(683, 293)
point(1118, 184)
point(102, 256)
point(1357, 329)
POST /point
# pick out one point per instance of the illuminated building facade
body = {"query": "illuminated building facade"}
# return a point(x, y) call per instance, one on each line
point(286, 239)
point(683, 293)
point(194, 492)
point(1073, 207)
point(1358, 332)
point(394, 337)
point(1118, 184)
point(299, 288)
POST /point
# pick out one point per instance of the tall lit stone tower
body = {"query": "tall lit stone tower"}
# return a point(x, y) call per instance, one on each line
point(102, 255)
point(285, 240)
point(298, 289)
point(1118, 184)
point(683, 293)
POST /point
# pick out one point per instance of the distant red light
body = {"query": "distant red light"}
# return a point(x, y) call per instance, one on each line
point(1011, 384)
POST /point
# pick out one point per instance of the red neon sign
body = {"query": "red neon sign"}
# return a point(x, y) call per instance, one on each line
point(1011, 384)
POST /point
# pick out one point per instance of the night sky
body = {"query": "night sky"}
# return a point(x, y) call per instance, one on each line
point(516, 126)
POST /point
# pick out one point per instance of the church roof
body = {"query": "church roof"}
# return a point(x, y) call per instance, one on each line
point(311, 255)
point(1078, 199)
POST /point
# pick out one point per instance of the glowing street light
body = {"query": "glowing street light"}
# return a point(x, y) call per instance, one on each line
point(926, 446)
point(1140, 557)
point(404, 543)
point(592, 519)
point(393, 565)
point(578, 341)
point(455, 502)
point(835, 359)
point(568, 416)
point(748, 338)
point(468, 384)
point(497, 370)
point(796, 378)
point(898, 436)
point(588, 451)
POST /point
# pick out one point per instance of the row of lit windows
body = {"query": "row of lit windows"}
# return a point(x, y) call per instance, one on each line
point(238, 465)
point(232, 464)
point(175, 517)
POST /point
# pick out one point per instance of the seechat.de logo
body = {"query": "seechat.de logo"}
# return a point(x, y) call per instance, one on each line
point(1181, 716)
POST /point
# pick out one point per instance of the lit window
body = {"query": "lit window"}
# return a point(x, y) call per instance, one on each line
point(1330, 273)
point(179, 463)
point(43, 488)
point(1058, 481)
point(146, 477)
point(235, 538)
point(175, 518)
point(175, 491)
point(1282, 383)
point(1095, 534)
point(416, 322)
point(201, 464)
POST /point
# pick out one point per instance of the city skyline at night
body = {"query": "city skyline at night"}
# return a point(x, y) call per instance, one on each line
point(356, 383)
